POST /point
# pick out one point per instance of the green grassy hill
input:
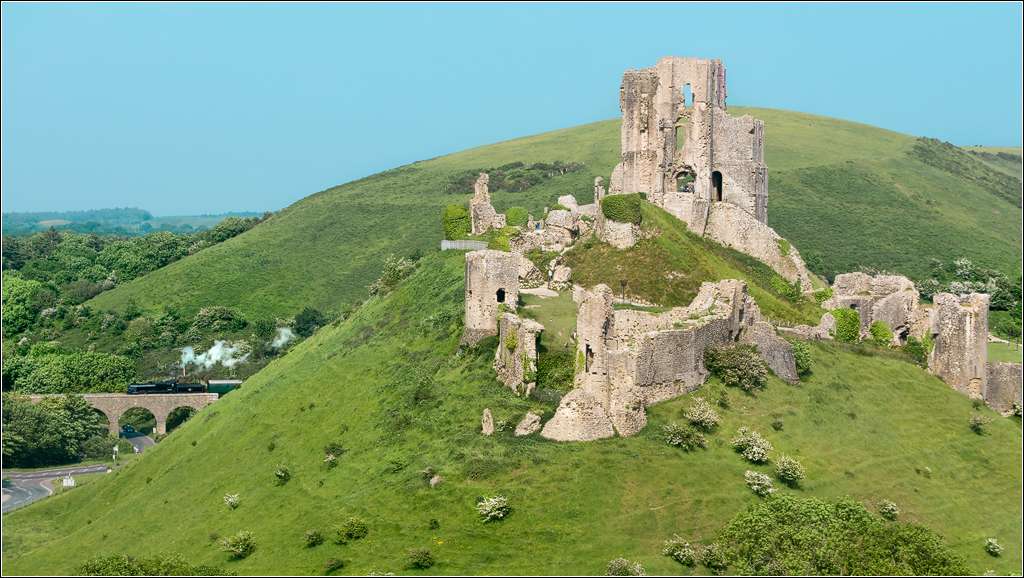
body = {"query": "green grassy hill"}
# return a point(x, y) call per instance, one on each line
point(858, 195)
point(388, 385)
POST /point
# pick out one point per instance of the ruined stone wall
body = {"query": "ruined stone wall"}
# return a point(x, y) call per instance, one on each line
point(725, 155)
point(733, 227)
point(961, 346)
point(775, 351)
point(619, 235)
point(516, 359)
point(889, 298)
point(480, 209)
point(492, 277)
point(1003, 386)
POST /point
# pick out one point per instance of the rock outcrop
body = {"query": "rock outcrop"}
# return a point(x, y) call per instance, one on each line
point(487, 423)
point(530, 424)
point(731, 226)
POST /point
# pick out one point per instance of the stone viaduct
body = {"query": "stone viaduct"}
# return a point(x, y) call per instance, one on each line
point(113, 405)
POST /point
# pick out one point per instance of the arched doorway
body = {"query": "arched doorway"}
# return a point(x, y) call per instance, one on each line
point(716, 186)
point(501, 295)
point(686, 181)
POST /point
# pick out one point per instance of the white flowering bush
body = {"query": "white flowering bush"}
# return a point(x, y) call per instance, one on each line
point(351, 529)
point(992, 547)
point(282, 474)
point(760, 483)
point(1018, 409)
point(738, 366)
point(313, 537)
point(684, 436)
point(623, 567)
point(241, 544)
point(715, 558)
point(754, 447)
point(681, 551)
point(888, 510)
point(330, 461)
point(788, 469)
point(495, 508)
point(702, 415)
point(978, 422)
point(231, 500)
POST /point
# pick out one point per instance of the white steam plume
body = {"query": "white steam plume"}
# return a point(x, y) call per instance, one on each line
point(219, 353)
point(284, 335)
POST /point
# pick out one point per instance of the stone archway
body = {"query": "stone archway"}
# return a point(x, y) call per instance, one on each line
point(113, 405)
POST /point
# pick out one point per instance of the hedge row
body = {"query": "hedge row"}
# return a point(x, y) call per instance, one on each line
point(622, 208)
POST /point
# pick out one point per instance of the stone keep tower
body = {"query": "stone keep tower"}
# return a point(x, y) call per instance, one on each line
point(492, 278)
point(675, 127)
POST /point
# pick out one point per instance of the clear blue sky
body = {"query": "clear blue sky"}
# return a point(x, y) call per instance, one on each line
point(208, 108)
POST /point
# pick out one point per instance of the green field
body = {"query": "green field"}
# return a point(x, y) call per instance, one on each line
point(1007, 353)
point(388, 385)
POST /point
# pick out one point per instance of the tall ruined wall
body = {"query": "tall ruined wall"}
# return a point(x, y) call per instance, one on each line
point(481, 211)
point(1003, 386)
point(492, 278)
point(666, 136)
point(961, 346)
point(516, 358)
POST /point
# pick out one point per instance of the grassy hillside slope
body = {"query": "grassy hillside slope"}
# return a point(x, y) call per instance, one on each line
point(848, 191)
point(388, 385)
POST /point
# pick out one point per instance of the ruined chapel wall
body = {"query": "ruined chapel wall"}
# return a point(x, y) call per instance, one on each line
point(517, 365)
point(774, 350)
point(739, 157)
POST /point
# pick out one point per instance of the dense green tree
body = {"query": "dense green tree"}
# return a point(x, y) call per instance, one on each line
point(19, 311)
point(786, 535)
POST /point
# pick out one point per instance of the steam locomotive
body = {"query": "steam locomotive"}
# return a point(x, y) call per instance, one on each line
point(220, 387)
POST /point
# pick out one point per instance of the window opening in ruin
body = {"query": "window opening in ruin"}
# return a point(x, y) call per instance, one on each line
point(687, 96)
point(716, 186)
point(681, 133)
point(686, 181)
point(501, 295)
point(853, 306)
point(590, 358)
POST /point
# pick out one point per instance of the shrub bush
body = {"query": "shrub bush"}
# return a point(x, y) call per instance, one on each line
point(802, 356)
point(680, 550)
point(992, 547)
point(847, 324)
point(313, 537)
point(517, 217)
point(499, 243)
point(888, 510)
point(738, 366)
point(684, 437)
point(457, 222)
point(421, 558)
point(715, 557)
point(784, 534)
point(623, 567)
point(495, 508)
point(750, 443)
point(351, 529)
point(760, 483)
point(978, 422)
point(509, 231)
point(622, 208)
point(777, 423)
point(559, 207)
point(788, 469)
point(334, 564)
point(241, 544)
point(231, 500)
point(282, 474)
point(159, 565)
point(881, 333)
point(822, 295)
point(701, 415)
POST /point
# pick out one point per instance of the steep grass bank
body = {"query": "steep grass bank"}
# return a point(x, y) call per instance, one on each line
point(387, 385)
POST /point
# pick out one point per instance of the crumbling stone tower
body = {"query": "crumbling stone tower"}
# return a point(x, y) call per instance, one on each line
point(492, 279)
point(675, 126)
point(960, 326)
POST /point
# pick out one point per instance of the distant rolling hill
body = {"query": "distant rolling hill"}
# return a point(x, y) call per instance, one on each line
point(858, 195)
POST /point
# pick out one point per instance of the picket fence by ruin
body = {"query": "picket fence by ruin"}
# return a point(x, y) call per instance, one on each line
point(690, 157)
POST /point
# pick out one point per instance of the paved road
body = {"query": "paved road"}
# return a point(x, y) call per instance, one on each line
point(138, 440)
point(27, 487)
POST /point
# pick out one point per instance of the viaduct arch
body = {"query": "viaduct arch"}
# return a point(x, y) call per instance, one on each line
point(113, 405)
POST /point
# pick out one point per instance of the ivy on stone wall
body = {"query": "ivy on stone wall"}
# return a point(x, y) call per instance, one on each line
point(847, 324)
point(622, 208)
point(457, 222)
